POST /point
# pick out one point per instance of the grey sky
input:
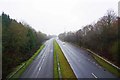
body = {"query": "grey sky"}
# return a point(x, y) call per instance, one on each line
point(57, 16)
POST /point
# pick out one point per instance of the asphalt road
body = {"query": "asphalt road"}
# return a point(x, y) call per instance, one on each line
point(82, 63)
point(42, 66)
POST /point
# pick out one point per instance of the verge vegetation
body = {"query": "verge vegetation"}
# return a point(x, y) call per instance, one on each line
point(101, 37)
point(21, 68)
point(106, 64)
point(66, 70)
point(19, 43)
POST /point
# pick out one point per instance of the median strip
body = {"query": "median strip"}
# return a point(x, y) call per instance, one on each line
point(65, 69)
point(21, 68)
point(58, 66)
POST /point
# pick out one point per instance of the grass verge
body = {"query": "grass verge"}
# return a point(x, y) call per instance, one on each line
point(56, 75)
point(66, 70)
point(105, 64)
point(21, 68)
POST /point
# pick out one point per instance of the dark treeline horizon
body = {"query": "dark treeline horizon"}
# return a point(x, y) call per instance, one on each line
point(101, 37)
point(19, 42)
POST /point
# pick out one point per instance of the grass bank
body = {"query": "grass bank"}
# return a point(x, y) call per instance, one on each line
point(21, 68)
point(66, 70)
point(106, 64)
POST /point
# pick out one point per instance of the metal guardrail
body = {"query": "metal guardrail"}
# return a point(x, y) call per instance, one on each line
point(104, 59)
point(21, 67)
point(16, 71)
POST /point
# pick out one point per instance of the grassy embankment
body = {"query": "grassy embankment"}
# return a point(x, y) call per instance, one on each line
point(21, 68)
point(105, 64)
point(65, 68)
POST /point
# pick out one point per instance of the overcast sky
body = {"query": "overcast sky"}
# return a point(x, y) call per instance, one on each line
point(57, 16)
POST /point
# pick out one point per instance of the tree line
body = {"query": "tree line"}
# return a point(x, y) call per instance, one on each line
point(101, 37)
point(19, 43)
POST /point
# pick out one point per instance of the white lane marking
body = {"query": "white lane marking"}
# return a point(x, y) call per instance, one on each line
point(94, 75)
point(40, 68)
point(41, 64)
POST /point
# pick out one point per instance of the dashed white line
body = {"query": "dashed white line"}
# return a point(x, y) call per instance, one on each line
point(41, 64)
point(94, 75)
point(40, 68)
